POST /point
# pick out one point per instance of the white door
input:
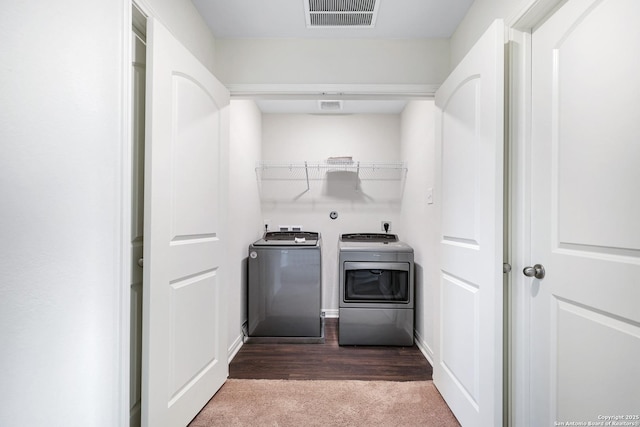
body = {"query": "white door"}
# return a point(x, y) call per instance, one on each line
point(585, 214)
point(468, 364)
point(185, 357)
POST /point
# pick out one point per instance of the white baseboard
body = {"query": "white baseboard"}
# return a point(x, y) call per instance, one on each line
point(331, 312)
point(423, 347)
point(235, 347)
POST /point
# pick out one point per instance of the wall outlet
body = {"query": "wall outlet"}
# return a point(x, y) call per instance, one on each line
point(382, 226)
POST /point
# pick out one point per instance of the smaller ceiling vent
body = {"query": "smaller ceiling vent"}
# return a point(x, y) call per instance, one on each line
point(330, 105)
point(341, 13)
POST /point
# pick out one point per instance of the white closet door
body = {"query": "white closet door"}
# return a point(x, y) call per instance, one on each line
point(184, 336)
point(469, 137)
point(585, 211)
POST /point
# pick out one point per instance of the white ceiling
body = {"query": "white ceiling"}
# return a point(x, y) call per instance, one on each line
point(286, 19)
point(396, 19)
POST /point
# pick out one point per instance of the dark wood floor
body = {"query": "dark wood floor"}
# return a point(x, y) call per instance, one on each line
point(329, 361)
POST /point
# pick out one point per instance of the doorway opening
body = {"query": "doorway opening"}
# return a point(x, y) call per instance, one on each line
point(138, 79)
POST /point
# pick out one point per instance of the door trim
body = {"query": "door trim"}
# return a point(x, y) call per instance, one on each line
point(340, 91)
point(520, 27)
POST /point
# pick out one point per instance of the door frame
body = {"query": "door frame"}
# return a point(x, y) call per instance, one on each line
point(126, 266)
point(519, 63)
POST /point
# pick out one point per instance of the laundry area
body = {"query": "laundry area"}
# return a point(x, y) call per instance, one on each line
point(328, 203)
point(187, 181)
point(335, 175)
point(325, 185)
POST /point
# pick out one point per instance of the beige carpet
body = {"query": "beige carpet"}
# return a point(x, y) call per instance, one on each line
point(325, 403)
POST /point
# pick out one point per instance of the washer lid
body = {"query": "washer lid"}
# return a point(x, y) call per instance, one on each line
point(289, 238)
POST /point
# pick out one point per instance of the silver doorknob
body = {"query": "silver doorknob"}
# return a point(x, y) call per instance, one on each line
point(141, 262)
point(536, 271)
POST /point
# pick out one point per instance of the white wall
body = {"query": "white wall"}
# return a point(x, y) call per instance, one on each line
point(300, 137)
point(478, 18)
point(330, 61)
point(62, 133)
point(245, 219)
point(186, 24)
point(60, 177)
point(419, 219)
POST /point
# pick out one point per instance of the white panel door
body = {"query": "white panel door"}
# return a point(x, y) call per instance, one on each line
point(585, 214)
point(184, 345)
point(469, 135)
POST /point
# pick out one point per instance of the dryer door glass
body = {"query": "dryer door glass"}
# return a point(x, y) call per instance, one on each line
point(376, 282)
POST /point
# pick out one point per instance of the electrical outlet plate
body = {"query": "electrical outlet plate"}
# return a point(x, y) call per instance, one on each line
point(382, 223)
point(429, 196)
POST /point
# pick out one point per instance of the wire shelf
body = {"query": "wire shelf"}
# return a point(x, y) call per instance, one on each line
point(313, 171)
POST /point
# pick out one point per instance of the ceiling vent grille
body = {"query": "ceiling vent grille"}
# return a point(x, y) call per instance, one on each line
point(330, 105)
point(341, 13)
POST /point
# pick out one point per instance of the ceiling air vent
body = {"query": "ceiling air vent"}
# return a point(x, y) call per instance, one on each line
point(341, 13)
point(330, 105)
